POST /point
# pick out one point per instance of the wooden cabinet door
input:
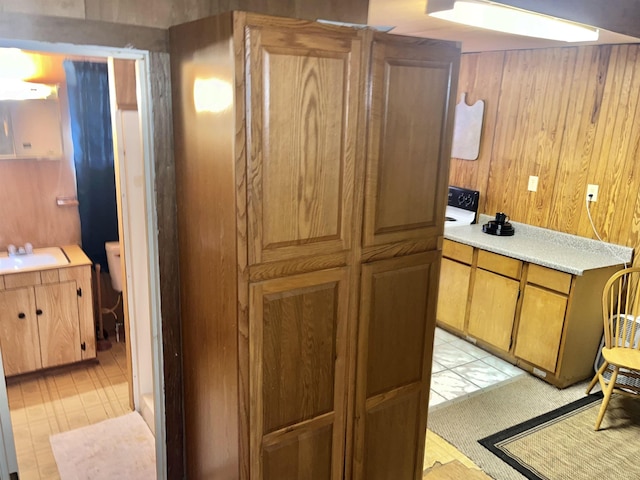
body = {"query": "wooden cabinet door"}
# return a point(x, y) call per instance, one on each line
point(540, 327)
point(36, 128)
point(6, 130)
point(453, 293)
point(395, 339)
point(19, 331)
point(493, 308)
point(297, 357)
point(412, 92)
point(302, 124)
point(58, 327)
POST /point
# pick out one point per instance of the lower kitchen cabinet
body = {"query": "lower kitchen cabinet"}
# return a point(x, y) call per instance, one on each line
point(493, 308)
point(494, 299)
point(455, 278)
point(540, 327)
point(546, 321)
point(46, 319)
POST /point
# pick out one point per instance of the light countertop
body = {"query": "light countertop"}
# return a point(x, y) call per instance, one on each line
point(557, 250)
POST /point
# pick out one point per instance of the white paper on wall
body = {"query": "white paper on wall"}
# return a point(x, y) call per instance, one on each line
point(467, 129)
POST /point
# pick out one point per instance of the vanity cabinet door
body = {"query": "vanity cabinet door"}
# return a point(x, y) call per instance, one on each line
point(19, 331)
point(493, 308)
point(57, 314)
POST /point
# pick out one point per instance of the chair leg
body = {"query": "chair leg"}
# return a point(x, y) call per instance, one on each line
point(607, 396)
point(600, 371)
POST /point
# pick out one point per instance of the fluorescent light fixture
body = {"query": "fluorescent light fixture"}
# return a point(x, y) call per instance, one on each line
point(502, 18)
point(19, 90)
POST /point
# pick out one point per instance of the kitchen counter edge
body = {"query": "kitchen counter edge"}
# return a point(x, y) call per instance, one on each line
point(548, 248)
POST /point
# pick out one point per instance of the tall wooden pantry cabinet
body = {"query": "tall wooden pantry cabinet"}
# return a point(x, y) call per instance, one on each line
point(311, 166)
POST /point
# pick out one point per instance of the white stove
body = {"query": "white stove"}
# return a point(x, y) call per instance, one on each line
point(462, 207)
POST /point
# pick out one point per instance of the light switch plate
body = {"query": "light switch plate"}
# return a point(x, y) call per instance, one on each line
point(533, 183)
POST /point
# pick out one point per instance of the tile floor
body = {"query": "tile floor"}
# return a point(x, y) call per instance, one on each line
point(460, 369)
point(42, 406)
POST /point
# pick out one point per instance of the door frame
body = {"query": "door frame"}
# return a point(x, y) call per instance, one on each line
point(150, 216)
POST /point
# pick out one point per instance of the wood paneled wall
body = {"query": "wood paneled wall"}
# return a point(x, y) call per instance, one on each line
point(164, 13)
point(569, 116)
point(28, 191)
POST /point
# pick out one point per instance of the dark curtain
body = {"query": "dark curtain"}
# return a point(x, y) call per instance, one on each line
point(88, 90)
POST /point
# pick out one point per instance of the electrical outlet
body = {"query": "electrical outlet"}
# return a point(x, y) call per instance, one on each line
point(533, 183)
point(592, 193)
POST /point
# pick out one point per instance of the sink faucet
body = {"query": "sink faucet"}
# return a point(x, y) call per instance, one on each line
point(13, 250)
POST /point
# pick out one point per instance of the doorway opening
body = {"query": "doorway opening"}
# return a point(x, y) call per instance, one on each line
point(135, 356)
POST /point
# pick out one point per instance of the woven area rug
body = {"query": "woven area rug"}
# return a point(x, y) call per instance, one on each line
point(562, 445)
point(118, 448)
point(464, 422)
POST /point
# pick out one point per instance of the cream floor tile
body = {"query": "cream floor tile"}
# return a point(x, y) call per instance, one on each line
point(18, 417)
point(450, 356)
point(444, 336)
point(469, 348)
point(437, 367)
point(435, 399)
point(29, 473)
point(503, 366)
point(36, 413)
point(481, 374)
point(451, 385)
point(58, 402)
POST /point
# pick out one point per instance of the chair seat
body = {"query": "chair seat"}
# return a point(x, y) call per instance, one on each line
point(623, 357)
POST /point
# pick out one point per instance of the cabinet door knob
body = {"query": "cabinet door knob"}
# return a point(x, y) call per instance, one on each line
point(38, 312)
point(21, 315)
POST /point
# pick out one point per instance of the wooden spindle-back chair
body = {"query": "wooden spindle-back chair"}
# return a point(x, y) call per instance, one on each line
point(620, 371)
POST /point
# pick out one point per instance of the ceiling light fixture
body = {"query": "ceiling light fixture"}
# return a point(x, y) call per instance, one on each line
point(502, 18)
point(19, 90)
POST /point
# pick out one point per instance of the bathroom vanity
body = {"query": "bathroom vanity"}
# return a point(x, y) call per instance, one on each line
point(46, 313)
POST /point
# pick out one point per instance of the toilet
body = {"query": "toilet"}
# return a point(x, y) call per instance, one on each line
point(115, 268)
point(115, 272)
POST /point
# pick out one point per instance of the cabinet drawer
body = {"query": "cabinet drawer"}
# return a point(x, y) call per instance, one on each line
point(457, 251)
point(509, 267)
point(17, 280)
point(50, 276)
point(549, 278)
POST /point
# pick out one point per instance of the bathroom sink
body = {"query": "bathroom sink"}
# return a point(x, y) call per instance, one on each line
point(41, 257)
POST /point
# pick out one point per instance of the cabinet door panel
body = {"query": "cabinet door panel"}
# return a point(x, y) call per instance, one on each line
point(409, 143)
point(305, 457)
point(36, 128)
point(540, 327)
point(19, 336)
point(297, 336)
point(397, 321)
point(303, 109)
point(392, 434)
point(493, 308)
point(58, 324)
point(454, 292)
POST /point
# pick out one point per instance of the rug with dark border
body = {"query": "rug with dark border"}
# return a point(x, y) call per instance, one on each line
point(562, 444)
